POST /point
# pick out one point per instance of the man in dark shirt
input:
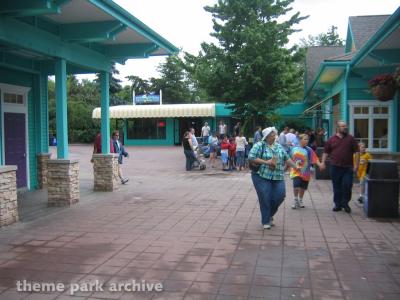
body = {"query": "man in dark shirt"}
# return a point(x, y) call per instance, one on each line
point(341, 148)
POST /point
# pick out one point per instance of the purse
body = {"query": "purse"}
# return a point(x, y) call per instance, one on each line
point(253, 166)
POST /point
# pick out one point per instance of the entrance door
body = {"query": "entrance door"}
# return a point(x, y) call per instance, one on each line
point(15, 144)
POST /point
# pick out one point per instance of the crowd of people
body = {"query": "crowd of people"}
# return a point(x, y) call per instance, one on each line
point(276, 154)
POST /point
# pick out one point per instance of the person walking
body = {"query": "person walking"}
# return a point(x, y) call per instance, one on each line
point(282, 140)
point(205, 133)
point(304, 157)
point(269, 180)
point(341, 147)
point(241, 144)
point(222, 129)
point(188, 150)
point(213, 149)
point(362, 170)
point(120, 150)
point(257, 135)
point(236, 129)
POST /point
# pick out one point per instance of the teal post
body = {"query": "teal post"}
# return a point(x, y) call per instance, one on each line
point(105, 113)
point(344, 97)
point(43, 116)
point(61, 109)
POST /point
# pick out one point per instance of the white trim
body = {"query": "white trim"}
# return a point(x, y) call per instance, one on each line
point(16, 108)
point(370, 116)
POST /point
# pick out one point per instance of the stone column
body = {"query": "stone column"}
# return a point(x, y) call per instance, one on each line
point(105, 169)
point(42, 159)
point(62, 182)
point(8, 195)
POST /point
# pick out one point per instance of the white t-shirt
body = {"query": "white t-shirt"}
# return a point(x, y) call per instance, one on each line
point(205, 131)
point(291, 138)
point(241, 143)
point(222, 129)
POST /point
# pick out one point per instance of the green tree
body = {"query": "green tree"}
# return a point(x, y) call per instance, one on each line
point(173, 81)
point(330, 38)
point(250, 66)
point(139, 85)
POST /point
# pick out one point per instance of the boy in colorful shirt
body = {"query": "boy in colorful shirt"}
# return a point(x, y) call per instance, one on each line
point(304, 157)
point(362, 169)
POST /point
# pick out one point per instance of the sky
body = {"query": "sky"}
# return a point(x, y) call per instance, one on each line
point(186, 24)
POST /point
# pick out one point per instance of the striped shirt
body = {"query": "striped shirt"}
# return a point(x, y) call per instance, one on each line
point(274, 150)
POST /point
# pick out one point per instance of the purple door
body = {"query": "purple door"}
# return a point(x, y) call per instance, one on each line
point(15, 144)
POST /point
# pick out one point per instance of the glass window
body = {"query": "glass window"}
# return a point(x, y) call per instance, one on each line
point(380, 133)
point(13, 98)
point(361, 131)
point(147, 129)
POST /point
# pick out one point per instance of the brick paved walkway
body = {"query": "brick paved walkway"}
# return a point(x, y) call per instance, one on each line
point(199, 234)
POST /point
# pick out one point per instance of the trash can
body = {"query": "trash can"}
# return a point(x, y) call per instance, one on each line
point(382, 189)
point(325, 174)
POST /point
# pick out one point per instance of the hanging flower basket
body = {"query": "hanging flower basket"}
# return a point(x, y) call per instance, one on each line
point(384, 92)
point(383, 87)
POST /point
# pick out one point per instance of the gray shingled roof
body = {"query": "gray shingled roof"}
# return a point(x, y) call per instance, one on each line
point(364, 27)
point(316, 55)
point(342, 57)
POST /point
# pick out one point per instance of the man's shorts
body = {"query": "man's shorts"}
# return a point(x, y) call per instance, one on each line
point(298, 182)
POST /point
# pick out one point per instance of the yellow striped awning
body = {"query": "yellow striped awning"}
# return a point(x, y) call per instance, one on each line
point(158, 111)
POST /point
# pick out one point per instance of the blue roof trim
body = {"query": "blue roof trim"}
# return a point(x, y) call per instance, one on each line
point(122, 15)
point(387, 28)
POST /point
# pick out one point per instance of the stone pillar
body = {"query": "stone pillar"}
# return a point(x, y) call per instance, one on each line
point(8, 195)
point(62, 182)
point(105, 169)
point(42, 159)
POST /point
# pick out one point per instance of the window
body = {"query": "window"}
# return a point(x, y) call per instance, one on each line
point(370, 125)
point(13, 98)
point(147, 129)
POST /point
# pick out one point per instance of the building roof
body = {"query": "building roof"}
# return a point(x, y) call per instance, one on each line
point(364, 27)
point(342, 57)
point(315, 56)
point(158, 111)
point(88, 34)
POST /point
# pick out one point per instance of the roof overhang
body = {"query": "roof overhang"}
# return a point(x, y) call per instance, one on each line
point(158, 111)
point(86, 29)
point(383, 48)
point(328, 74)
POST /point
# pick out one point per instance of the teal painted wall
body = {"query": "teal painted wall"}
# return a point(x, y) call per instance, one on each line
point(169, 140)
point(13, 77)
point(222, 111)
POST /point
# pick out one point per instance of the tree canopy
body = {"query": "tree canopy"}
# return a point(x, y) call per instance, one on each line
point(330, 38)
point(250, 67)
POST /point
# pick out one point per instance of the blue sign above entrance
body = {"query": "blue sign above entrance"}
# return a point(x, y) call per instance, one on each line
point(147, 99)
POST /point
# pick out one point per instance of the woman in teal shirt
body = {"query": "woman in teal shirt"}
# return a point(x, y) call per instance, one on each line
point(269, 179)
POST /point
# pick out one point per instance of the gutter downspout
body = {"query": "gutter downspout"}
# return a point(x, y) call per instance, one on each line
point(344, 100)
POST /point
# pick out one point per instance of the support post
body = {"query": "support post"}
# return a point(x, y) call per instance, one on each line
point(61, 109)
point(105, 113)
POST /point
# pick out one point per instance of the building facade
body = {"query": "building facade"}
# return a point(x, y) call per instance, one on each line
point(337, 82)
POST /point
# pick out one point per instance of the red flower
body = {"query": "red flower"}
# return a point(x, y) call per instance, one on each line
point(383, 79)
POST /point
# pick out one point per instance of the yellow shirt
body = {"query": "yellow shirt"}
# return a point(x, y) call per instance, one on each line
point(362, 169)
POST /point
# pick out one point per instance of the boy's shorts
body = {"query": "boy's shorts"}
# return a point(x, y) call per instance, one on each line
point(298, 182)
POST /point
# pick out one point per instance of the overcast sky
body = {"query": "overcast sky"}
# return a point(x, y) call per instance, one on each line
point(185, 24)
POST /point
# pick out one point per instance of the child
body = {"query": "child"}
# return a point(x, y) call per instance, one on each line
point(304, 157)
point(232, 154)
point(362, 169)
point(225, 152)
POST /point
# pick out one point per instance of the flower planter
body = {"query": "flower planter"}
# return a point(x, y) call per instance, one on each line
point(384, 92)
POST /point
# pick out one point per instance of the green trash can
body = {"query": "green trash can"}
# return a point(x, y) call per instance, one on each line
point(382, 189)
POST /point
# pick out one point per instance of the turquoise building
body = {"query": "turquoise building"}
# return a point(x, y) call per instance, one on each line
point(56, 38)
point(336, 86)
